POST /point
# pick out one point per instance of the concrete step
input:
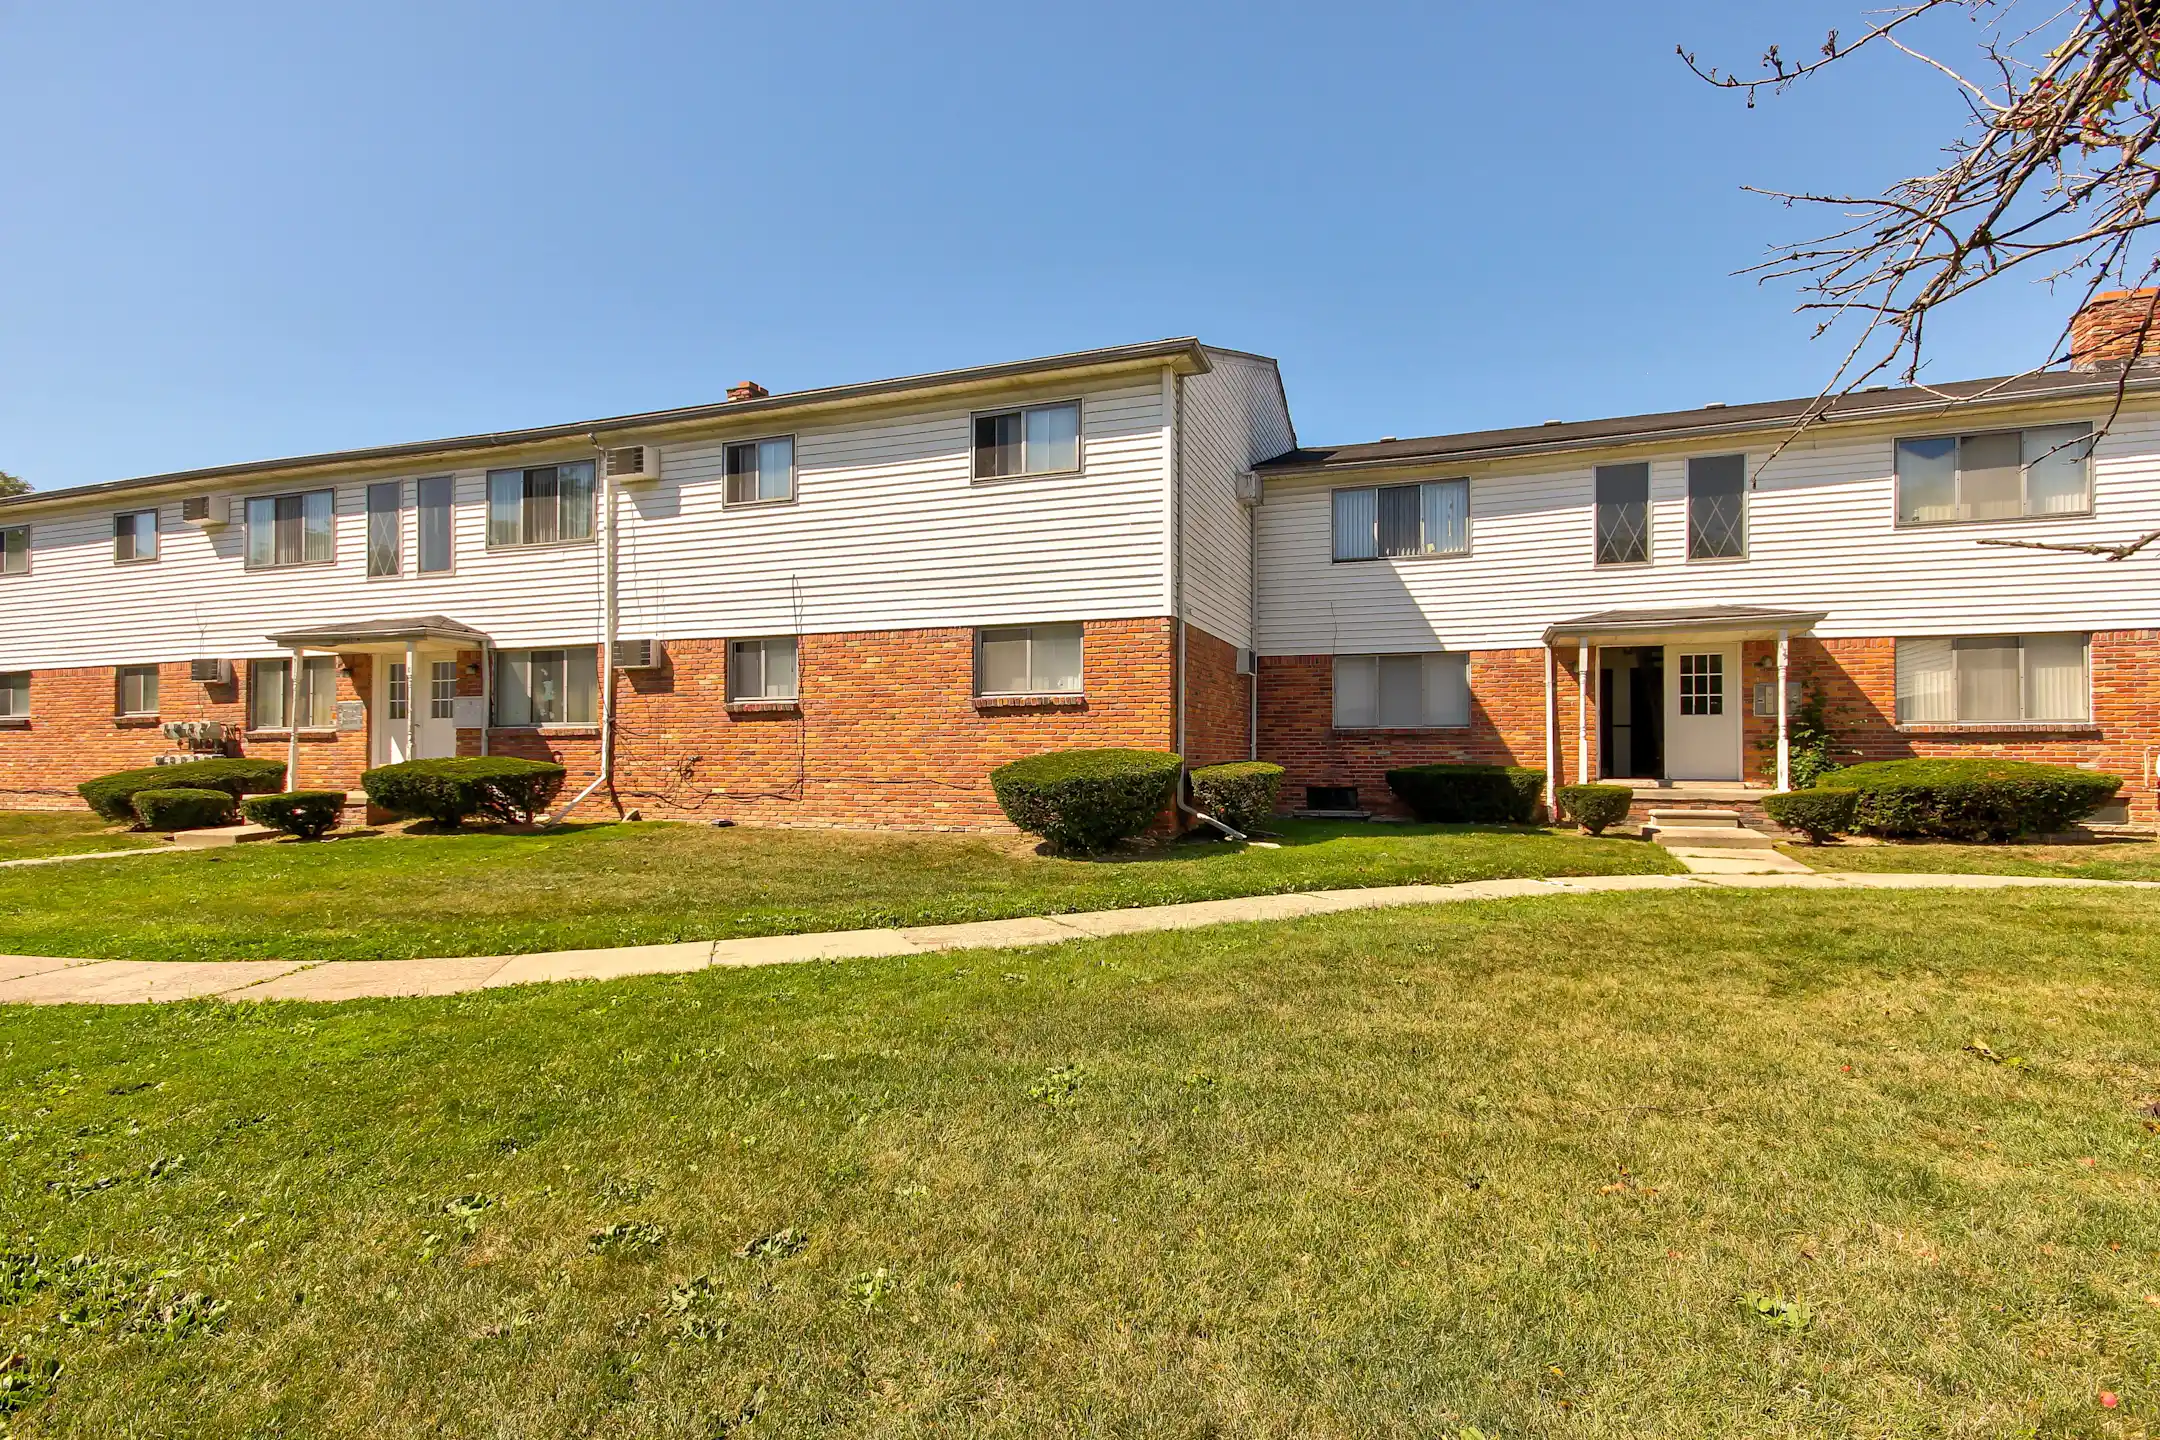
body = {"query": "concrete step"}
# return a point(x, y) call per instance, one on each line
point(222, 835)
point(1659, 816)
point(1712, 837)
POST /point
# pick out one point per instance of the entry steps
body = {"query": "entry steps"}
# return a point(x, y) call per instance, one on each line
point(1704, 830)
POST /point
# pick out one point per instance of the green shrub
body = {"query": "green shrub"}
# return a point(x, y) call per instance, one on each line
point(1241, 794)
point(308, 814)
point(450, 792)
point(182, 808)
point(1818, 814)
point(112, 796)
point(1972, 799)
point(1469, 794)
point(1596, 806)
point(1085, 801)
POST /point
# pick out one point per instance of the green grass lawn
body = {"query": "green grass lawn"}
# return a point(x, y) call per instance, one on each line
point(604, 885)
point(33, 834)
point(1514, 1165)
point(2134, 860)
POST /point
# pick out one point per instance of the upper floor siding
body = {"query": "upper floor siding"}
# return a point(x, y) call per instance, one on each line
point(1229, 420)
point(1821, 533)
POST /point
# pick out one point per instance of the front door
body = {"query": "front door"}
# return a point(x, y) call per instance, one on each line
point(432, 726)
point(1702, 712)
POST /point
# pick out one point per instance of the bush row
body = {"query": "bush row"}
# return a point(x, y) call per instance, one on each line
point(1973, 800)
point(113, 796)
point(1470, 794)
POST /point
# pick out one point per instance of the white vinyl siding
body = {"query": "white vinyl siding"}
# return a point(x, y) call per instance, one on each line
point(15, 695)
point(540, 504)
point(135, 536)
point(138, 690)
point(1228, 421)
point(1029, 660)
point(15, 550)
point(763, 669)
point(297, 529)
point(1401, 692)
point(1035, 440)
point(385, 529)
point(269, 683)
point(1391, 522)
point(761, 471)
point(1995, 475)
point(1993, 679)
point(548, 687)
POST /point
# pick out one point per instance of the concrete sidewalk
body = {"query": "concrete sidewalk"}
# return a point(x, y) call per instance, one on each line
point(34, 980)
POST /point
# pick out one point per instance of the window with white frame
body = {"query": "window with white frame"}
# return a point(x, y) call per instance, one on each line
point(297, 529)
point(442, 689)
point(548, 687)
point(1995, 475)
point(15, 695)
point(1030, 440)
point(761, 470)
point(1429, 690)
point(385, 528)
point(135, 536)
point(1028, 660)
point(763, 669)
point(1716, 507)
point(1387, 522)
point(540, 505)
point(15, 550)
point(1623, 513)
point(1993, 679)
point(435, 495)
point(137, 687)
point(269, 686)
point(400, 688)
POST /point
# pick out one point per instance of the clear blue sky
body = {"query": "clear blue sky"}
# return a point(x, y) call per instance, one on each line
point(232, 232)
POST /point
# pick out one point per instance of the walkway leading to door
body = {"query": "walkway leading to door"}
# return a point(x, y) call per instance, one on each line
point(32, 980)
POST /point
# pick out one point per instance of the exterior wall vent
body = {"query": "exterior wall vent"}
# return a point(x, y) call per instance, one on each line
point(1244, 662)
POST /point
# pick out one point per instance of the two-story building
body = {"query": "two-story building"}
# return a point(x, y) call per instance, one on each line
point(847, 605)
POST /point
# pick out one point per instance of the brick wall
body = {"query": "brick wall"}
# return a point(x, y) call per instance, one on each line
point(1218, 701)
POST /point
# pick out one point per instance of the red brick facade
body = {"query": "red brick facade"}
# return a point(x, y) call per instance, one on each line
point(1218, 701)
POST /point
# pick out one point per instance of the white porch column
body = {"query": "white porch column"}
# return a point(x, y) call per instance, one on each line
point(292, 718)
point(1552, 733)
point(412, 700)
point(1582, 712)
point(1784, 733)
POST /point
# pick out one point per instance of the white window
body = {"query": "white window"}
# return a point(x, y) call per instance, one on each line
point(761, 470)
point(385, 528)
point(442, 690)
point(400, 691)
point(548, 687)
point(15, 550)
point(1034, 440)
point(435, 495)
point(1983, 679)
point(540, 505)
point(15, 696)
point(138, 689)
point(1623, 514)
point(291, 529)
point(1998, 475)
point(1386, 522)
point(269, 680)
point(1028, 660)
point(762, 669)
point(135, 536)
point(1716, 507)
point(1402, 692)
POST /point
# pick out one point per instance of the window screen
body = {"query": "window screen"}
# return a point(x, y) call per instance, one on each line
point(1417, 691)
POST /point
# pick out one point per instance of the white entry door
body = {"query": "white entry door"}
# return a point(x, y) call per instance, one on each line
point(1702, 712)
point(432, 726)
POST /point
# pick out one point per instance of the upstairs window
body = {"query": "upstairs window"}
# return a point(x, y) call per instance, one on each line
point(762, 669)
point(435, 494)
point(291, 530)
point(548, 687)
point(385, 529)
point(1716, 507)
point(138, 690)
point(269, 684)
point(1389, 522)
point(15, 695)
point(761, 470)
point(541, 505)
point(15, 550)
point(1995, 475)
point(1033, 440)
point(135, 536)
point(1984, 679)
point(1401, 692)
point(1623, 514)
point(1028, 660)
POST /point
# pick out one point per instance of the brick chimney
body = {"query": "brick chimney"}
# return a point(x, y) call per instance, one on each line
point(747, 390)
point(2105, 332)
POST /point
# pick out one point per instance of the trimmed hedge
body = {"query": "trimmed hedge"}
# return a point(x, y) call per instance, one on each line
point(1972, 799)
point(1241, 794)
point(1469, 794)
point(113, 796)
point(1085, 801)
point(450, 792)
point(308, 814)
point(1594, 807)
point(1819, 814)
point(182, 808)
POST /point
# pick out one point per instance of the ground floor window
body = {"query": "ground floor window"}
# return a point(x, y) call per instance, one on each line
point(1401, 692)
point(548, 687)
point(1028, 660)
point(138, 690)
point(762, 669)
point(15, 695)
point(269, 684)
point(442, 689)
point(1983, 679)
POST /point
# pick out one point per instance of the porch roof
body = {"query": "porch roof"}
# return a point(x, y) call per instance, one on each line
point(1730, 622)
point(368, 634)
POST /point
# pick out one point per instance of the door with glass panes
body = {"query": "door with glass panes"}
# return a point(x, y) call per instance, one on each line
point(1702, 712)
point(431, 727)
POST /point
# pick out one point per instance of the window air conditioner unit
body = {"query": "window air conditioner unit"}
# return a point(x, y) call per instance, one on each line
point(638, 655)
point(210, 672)
point(206, 512)
point(633, 464)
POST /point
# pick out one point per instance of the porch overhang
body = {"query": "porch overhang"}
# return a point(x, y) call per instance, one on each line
point(372, 636)
point(1693, 622)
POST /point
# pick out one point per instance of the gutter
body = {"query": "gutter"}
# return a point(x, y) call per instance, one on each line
point(609, 617)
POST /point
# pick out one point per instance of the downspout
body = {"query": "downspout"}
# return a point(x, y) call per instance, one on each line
point(1252, 617)
point(1552, 736)
point(607, 629)
point(1173, 395)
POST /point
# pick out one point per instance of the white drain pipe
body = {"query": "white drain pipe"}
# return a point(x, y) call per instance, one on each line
point(608, 628)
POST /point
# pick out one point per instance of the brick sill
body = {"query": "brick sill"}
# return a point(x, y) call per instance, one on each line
point(1067, 701)
point(135, 722)
point(764, 707)
point(2005, 727)
point(14, 722)
point(1398, 732)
